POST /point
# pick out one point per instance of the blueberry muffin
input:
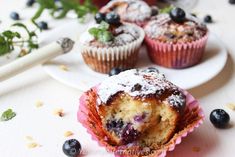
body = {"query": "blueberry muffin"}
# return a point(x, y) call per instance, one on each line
point(134, 11)
point(176, 39)
point(139, 106)
point(111, 44)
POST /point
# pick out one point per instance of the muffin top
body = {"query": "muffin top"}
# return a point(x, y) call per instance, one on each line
point(141, 84)
point(168, 29)
point(109, 35)
point(129, 10)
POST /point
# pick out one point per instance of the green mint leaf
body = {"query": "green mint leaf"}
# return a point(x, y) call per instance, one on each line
point(8, 115)
point(105, 36)
point(166, 9)
point(94, 31)
point(104, 25)
point(5, 45)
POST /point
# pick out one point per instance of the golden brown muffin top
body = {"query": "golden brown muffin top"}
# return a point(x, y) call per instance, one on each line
point(141, 84)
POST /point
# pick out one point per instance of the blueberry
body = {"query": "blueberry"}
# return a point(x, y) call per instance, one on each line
point(232, 1)
point(99, 17)
point(43, 25)
point(154, 10)
point(219, 118)
point(15, 16)
point(177, 15)
point(152, 69)
point(129, 134)
point(208, 19)
point(112, 18)
point(30, 3)
point(114, 124)
point(115, 71)
point(72, 148)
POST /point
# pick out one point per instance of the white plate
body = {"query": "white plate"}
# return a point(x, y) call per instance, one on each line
point(81, 77)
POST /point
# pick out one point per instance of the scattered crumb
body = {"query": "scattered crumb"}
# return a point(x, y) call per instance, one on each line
point(68, 133)
point(33, 145)
point(64, 67)
point(39, 104)
point(59, 112)
point(29, 138)
point(231, 106)
point(196, 149)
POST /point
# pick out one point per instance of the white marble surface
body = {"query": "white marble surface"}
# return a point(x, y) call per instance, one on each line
point(21, 93)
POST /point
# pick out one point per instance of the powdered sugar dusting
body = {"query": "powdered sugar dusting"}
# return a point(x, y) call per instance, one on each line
point(164, 29)
point(136, 83)
point(134, 10)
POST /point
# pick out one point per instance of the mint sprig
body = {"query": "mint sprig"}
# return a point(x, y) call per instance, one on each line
point(65, 6)
point(101, 33)
point(8, 115)
point(11, 39)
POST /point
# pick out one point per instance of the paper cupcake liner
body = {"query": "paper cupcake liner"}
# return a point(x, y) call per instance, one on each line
point(104, 59)
point(87, 115)
point(176, 56)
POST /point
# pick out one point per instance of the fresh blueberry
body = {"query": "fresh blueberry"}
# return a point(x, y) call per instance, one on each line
point(154, 10)
point(99, 17)
point(152, 69)
point(72, 148)
point(115, 71)
point(114, 124)
point(208, 19)
point(219, 118)
point(232, 1)
point(177, 15)
point(30, 3)
point(43, 25)
point(112, 18)
point(15, 16)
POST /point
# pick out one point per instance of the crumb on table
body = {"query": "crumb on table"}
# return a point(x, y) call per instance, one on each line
point(59, 112)
point(64, 67)
point(68, 133)
point(231, 106)
point(39, 104)
point(29, 138)
point(33, 145)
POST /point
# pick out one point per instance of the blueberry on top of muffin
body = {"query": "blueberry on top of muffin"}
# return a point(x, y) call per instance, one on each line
point(109, 31)
point(129, 10)
point(177, 26)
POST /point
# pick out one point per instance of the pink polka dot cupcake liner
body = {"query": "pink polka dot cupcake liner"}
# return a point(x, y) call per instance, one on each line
point(88, 116)
point(176, 56)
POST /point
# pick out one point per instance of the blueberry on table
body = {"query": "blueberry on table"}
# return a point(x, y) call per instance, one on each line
point(177, 15)
point(30, 3)
point(232, 1)
point(115, 71)
point(99, 17)
point(112, 18)
point(219, 118)
point(15, 16)
point(43, 25)
point(208, 19)
point(72, 148)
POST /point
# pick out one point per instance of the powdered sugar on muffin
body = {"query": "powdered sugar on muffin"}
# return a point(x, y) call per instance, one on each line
point(140, 83)
point(129, 10)
point(123, 35)
point(163, 29)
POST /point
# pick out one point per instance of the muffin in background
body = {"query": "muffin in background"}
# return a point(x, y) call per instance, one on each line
point(176, 39)
point(133, 11)
point(138, 113)
point(111, 44)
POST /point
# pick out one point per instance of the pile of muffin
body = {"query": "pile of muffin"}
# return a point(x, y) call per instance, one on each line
point(174, 39)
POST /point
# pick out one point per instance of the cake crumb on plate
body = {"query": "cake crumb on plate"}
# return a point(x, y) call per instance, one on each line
point(231, 106)
point(68, 133)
